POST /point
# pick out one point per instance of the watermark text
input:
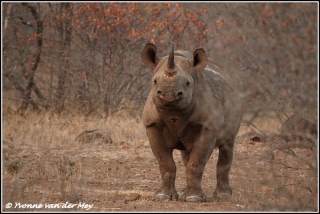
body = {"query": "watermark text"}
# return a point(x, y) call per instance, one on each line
point(66, 205)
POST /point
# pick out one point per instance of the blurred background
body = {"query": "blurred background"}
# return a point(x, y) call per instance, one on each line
point(84, 58)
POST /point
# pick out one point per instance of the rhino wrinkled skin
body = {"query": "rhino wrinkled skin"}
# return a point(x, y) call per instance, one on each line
point(194, 109)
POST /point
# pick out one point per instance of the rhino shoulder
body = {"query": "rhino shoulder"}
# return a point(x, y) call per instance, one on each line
point(231, 78)
point(150, 114)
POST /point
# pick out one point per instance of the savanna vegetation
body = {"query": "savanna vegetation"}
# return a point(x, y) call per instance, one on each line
point(73, 69)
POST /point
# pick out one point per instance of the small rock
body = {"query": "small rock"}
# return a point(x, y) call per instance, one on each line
point(138, 158)
point(94, 136)
point(258, 138)
point(125, 146)
point(298, 127)
point(134, 196)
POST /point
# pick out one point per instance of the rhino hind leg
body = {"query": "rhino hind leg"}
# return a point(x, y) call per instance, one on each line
point(185, 156)
point(223, 189)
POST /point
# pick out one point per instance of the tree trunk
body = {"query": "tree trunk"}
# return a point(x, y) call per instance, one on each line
point(33, 64)
point(65, 31)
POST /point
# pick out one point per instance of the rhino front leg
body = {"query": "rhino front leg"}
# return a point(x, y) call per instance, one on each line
point(185, 156)
point(223, 189)
point(167, 167)
point(195, 162)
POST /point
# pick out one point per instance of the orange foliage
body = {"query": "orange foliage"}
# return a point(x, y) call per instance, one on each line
point(242, 38)
point(133, 21)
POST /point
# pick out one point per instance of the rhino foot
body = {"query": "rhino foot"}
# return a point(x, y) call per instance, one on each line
point(195, 198)
point(222, 194)
point(192, 198)
point(160, 195)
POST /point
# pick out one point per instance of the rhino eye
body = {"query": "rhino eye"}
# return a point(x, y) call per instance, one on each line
point(155, 81)
point(188, 83)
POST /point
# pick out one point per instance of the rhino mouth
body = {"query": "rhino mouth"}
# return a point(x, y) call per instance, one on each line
point(169, 98)
point(170, 104)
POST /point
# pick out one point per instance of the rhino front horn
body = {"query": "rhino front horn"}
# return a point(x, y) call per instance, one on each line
point(171, 66)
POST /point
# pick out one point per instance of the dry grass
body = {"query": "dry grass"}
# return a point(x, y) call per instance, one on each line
point(43, 164)
point(49, 130)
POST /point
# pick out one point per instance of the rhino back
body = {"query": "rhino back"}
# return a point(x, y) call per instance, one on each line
point(220, 95)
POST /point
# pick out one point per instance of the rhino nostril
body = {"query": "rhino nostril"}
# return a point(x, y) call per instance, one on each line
point(159, 92)
point(180, 94)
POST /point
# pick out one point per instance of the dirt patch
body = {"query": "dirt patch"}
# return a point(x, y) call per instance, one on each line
point(45, 169)
point(109, 178)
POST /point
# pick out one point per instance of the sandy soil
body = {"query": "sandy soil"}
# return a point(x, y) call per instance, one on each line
point(265, 176)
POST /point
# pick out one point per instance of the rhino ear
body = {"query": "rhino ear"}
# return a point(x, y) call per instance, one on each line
point(200, 59)
point(149, 55)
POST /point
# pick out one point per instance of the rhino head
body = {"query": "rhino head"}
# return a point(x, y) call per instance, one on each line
point(173, 82)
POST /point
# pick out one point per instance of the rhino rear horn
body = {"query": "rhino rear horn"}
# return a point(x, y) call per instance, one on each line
point(149, 55)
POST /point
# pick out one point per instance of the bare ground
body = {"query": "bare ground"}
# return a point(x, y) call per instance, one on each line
point(122, 176)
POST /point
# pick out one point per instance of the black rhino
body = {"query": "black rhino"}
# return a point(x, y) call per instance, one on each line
point(194, 109)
